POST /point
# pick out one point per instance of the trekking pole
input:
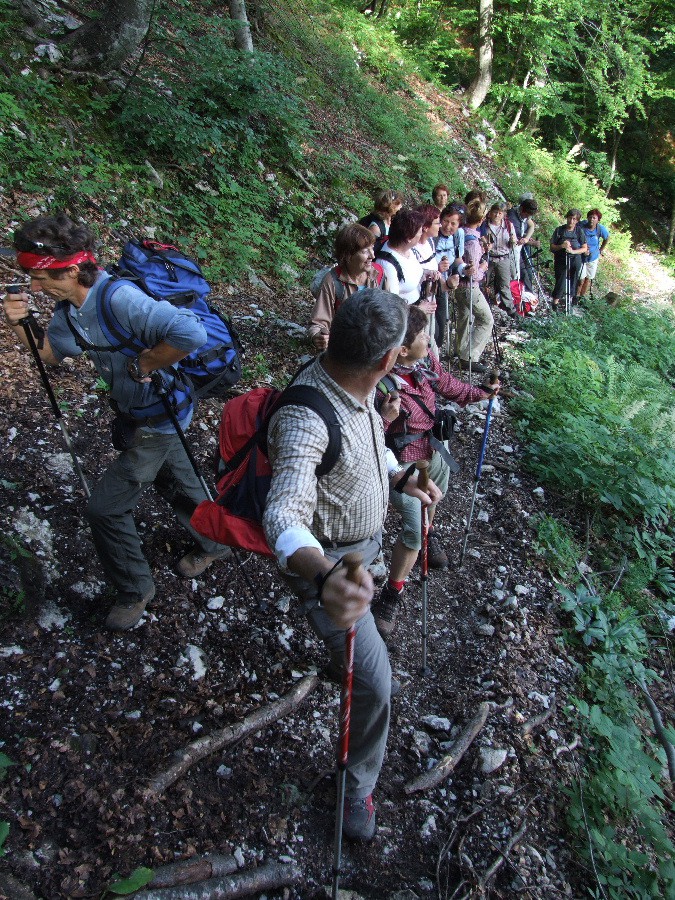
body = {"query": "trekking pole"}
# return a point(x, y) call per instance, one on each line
point(352, 561)
point(568, 299)
point(495, 343)
point(423, 484)
point(481, 456)
point(470, 322)
point(30, 328)
point(163, 392)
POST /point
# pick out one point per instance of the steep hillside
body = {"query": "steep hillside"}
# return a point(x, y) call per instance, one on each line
point(252, 165)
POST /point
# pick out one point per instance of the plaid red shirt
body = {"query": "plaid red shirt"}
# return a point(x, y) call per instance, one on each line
point(413, 419)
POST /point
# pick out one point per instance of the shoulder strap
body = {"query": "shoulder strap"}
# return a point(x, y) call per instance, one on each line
point(339, 286)
point(379, 273)
point(311, 397)
point(389, 257)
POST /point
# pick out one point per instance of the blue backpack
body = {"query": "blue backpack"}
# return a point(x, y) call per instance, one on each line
point(162, 272)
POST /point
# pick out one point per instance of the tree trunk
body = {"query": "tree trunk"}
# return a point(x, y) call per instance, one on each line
point(515, 66)
point(533, 118)
point(516, 120)
point(480, 86)
point(103, 44)
point(612, 169)
point(242, 30)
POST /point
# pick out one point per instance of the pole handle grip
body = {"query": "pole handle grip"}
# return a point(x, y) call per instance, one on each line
point(353, 562)
point(422, 466)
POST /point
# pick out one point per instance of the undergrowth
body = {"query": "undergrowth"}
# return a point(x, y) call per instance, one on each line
point(597, 419)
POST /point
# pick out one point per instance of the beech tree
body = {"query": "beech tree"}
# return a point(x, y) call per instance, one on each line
point(105, 43)
point(242, 29)
point(481, 84)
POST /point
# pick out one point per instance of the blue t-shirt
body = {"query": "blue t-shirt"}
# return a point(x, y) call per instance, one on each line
point(593, 238)
point(151, 321)
point(451, 246)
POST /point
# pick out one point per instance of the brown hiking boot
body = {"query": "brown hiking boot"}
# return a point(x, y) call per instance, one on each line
point(384, 610)
point(436, 555)
point(128, 610)
point(196, 561)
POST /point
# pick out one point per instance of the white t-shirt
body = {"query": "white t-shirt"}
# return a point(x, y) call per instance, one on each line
point(409, 288)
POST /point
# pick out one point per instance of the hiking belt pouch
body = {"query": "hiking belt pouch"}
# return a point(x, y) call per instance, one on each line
point(124, 432)
point(444, 426)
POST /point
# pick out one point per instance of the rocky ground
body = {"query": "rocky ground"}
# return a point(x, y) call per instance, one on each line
point(89, 717)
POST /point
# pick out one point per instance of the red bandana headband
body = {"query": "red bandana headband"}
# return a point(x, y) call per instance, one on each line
point(40, 261)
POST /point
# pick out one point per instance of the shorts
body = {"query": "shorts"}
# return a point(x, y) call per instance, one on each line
point(589, 269)
point(410, 508)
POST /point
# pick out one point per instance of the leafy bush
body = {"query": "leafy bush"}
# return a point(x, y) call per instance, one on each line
point(620, 805)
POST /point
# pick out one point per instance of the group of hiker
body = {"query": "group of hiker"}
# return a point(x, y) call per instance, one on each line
point(378, 325)
point(462, 256)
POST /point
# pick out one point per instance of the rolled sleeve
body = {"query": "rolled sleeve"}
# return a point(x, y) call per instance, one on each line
point(291, 501)
point(289, 541)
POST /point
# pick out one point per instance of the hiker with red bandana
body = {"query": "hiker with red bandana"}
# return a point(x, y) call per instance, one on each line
point(57, 254)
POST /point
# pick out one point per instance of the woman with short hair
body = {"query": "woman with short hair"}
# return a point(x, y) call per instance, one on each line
point(354, 271)
point(568, 246)
point(385, 206)
point(597, 237)
point(402, 268)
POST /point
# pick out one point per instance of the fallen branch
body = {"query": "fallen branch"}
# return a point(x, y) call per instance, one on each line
point(568, 749)
point(537, 721)
point(496, 865)
point(659, 729)
point(189, 871)
point(210, 743)
point(440, 772)
point(253, 881)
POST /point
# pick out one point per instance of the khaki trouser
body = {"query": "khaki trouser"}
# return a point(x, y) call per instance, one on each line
point(482, 321)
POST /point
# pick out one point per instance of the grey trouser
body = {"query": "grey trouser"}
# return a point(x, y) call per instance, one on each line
point(114, 498)
point(371, 696)
point(483, 321)
point(500, 274)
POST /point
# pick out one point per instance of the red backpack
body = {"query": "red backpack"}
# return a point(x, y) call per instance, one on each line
point(244, 472)
point(524, 305)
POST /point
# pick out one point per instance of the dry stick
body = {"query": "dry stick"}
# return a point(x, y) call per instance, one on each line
point(243, 884)
point(658, 727)
point(440, 772)
point(537, 721)
point(189, 871)
point(210, 743)
point(503, 855)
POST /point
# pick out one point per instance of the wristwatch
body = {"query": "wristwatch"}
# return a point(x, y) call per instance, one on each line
point(397, 470)
point(134, 369)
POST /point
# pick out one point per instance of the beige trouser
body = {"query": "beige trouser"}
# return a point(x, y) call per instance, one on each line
point(482, 322)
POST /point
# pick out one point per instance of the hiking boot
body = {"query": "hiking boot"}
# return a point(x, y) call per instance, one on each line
point(384, 610)
point(333, 672)
point(476, 367)
point(194, 563)
point(359, 819)
point(128, 610)
point(436, 555)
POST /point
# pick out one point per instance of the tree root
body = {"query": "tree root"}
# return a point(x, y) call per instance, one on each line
point(537, 721)
point(210, 743)
point(440, 772)
point(252, 881)
point(498, 862)
point(189, 871)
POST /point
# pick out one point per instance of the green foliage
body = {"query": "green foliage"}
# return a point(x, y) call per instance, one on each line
point(554, 543)
point(4, 832)
point(598, 416)
point(5, 764)
point(138, 879)
point(619, 805)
